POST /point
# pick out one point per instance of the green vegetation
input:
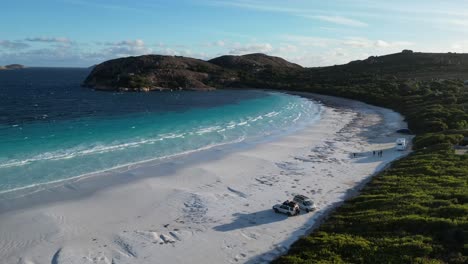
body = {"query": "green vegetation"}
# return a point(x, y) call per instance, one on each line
point(138, 81)
point(417, 210)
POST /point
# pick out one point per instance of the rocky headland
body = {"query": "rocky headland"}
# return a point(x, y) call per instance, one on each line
point(157, 72)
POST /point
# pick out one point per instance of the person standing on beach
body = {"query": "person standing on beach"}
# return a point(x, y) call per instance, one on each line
point(373, 153)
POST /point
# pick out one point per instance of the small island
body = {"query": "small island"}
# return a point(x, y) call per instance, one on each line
point(12, 67)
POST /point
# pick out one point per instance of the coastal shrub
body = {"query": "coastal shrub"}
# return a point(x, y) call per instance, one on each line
point(416, 211)
point(138, 81)
point(431, 139)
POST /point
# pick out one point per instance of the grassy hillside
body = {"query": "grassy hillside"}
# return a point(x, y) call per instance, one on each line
point(416, 211)
point(404, 65)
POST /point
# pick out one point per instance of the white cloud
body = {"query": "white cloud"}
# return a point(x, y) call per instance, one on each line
point(457, 22)
point(123, 51)
point(302, 49)
point(13, 45)
point(286, 49)
point(311, 51)
point(459, 46)
point(130, 43)
point(382, 44)
point(159, 44)
point(127, 48)
point(379, 44)
point(265, 7)
point(279, 8)
point(218, 43)
point(251, 48)
point(358, 42)
point(49, 39)
point(44, 57)
point(340, 20)
point(339, 52)
point(308, 40)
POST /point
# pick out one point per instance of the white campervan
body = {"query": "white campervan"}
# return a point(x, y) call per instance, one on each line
point(401, 144)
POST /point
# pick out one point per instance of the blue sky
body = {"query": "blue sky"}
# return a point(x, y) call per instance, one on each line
point(309, 32)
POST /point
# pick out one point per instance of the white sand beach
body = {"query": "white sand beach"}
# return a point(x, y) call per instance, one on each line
point(207, 207)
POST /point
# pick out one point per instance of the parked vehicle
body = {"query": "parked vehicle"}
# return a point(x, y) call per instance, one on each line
point(305, 203)
point(401, 144)
point(288, 207)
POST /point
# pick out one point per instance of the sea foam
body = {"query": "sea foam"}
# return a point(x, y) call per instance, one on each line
point(83, 147)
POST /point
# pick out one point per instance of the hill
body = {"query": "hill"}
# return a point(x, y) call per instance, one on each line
point(253, 62)
point(404, 65)
point(156, 72)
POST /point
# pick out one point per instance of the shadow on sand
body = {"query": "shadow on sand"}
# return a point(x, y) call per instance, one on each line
point(369, 156)
point(251, 219)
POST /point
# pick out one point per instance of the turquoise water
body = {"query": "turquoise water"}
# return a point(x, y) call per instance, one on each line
point(34, 153)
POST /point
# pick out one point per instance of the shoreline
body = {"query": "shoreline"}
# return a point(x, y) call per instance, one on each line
point(219, 202)
point(84, 185)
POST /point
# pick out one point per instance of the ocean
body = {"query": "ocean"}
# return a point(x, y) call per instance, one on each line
point(51, 129)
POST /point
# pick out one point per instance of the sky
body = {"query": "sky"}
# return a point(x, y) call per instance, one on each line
point(81, 33)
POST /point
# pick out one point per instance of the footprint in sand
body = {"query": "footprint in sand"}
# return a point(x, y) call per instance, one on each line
point(127, 244)
point(240, 257)
point(195, 210)
point(75, 256)
point(167, 239)
point(239, 193)
point(264, 180)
